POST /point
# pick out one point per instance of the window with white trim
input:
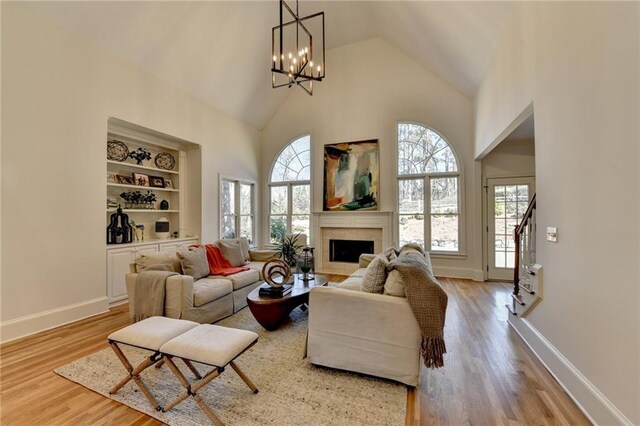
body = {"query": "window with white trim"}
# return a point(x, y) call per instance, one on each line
point(428, 190)
point(237, 216)
point(290, 190)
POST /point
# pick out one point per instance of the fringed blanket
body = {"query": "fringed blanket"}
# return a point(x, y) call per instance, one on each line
point(148, 296)
point(218, 265)
point(428, 302)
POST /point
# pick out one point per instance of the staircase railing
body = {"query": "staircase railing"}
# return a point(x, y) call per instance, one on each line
point(525, 255)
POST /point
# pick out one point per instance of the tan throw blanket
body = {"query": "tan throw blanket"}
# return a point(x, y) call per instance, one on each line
point(148, 298)
point(428, 302)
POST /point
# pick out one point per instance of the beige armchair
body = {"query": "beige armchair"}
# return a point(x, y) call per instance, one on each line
point(368, 333)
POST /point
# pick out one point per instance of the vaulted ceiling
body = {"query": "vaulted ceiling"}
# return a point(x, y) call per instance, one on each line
point(220, 51)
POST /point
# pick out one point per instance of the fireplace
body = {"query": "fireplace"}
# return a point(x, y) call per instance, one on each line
point(349, 251)
point(368, 226)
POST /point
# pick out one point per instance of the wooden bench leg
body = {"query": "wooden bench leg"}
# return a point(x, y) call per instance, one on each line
point(244, 377)
point(134, 374)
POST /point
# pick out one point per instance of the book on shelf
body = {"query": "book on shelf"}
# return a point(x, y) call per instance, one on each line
point(267, 290)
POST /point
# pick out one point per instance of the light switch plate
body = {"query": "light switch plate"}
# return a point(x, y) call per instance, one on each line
point(552, 234)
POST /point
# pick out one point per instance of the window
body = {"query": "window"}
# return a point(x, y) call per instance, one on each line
point(290, 190)
point(236, 209)
point(428, 190)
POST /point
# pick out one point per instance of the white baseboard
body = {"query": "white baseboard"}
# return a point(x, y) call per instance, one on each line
point(35, 323)
point(589, 399)
point(466, 273)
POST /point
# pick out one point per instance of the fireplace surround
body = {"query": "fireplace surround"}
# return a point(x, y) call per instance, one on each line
point(373, 226)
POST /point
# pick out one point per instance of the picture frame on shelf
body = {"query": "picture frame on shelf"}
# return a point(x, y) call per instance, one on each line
point(112, 178)
point(125, 180)
point(141, 179)
point(168, 183)
point(156, 181)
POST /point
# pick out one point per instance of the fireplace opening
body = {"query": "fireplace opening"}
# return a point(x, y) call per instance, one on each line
point(348, 251)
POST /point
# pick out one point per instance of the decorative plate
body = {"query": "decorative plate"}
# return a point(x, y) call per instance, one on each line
point(165, 161)
point(117, 151)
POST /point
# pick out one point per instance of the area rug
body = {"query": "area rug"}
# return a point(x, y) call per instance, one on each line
point(292, 391)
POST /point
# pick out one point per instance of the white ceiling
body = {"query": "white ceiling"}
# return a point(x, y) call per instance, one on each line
point(220, 51)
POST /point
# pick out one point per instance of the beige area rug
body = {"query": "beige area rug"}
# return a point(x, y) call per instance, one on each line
point(292, 391)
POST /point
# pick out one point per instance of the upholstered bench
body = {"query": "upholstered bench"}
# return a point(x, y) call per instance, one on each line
point(169, 338)
point(149, 334)
point(211, 345)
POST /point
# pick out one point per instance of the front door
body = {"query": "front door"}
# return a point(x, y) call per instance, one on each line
point(507, 201)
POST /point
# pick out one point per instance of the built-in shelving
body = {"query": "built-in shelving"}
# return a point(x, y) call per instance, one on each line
point(120, 256)
point(143, 211)
point(141, 167)
point(151, 188)
point(135, 137)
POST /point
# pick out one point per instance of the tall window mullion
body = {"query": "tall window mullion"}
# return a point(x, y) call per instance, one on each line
point(428, 189)
point(290, 190)
point(228, 209)
point(246, 217)
point(278, 212)
point(411, 208)
point(237, 210)
point(444, 214)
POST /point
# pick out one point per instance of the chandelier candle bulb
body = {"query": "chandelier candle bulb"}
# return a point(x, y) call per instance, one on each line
point(294, 31)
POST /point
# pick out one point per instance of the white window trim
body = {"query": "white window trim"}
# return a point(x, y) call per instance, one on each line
point(461, 253)
point(237, 182)
point(289, 184)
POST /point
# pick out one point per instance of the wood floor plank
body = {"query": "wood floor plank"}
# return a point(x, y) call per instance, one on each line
point(490, 376)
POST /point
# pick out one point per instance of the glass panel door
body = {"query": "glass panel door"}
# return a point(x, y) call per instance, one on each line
point(507, 202)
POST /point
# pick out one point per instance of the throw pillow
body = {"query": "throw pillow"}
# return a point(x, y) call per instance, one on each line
point(375, 275)
point(145, 261)
point(232, 251)
point(390, 253)
point(244, 244)
point(393, 286)
point(160, 267)
point(411, 248)
point(194, 262)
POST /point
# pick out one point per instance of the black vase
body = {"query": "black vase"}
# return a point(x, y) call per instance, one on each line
point(164, 205)
point(119, 230)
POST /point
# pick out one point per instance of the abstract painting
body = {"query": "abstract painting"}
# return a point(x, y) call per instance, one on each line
point(351, 176)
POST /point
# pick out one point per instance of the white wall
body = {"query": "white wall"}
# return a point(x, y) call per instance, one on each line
point(579, 64)
point(510, 159)
point(369, 87)
point(58, 92)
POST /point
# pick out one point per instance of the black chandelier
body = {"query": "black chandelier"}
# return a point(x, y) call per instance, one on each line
point(295, 58)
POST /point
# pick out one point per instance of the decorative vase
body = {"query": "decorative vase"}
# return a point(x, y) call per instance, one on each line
point(119, 230)
point(162, 228)
point(305, 263)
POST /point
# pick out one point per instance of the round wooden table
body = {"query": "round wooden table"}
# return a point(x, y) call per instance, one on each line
point(270, 311)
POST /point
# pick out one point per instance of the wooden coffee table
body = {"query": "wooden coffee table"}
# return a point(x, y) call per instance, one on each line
point(270, 311)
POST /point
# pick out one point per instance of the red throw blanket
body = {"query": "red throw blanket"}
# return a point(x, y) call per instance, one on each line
point(218, 265)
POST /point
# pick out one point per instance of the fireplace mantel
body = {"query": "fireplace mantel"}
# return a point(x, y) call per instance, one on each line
point(366, 220)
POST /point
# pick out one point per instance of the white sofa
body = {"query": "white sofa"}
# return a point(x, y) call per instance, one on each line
point(208, 299)
point(369, 333)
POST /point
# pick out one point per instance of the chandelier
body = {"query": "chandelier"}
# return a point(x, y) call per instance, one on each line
point(296, 60)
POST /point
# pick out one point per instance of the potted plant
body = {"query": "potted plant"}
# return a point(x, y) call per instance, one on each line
point(288, 247)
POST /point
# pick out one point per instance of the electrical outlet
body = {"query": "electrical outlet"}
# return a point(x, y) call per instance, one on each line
point(552, 234)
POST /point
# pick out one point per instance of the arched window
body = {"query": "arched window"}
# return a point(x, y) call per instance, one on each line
point(428, 189)
point(290, 190)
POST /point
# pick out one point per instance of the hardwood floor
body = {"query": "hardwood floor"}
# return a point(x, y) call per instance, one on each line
point(490, 376)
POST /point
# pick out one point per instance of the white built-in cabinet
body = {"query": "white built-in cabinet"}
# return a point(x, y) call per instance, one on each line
point(120, 258)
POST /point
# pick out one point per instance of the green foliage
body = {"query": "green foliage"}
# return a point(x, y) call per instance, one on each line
point(278, 229)
point(288, 247)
